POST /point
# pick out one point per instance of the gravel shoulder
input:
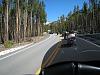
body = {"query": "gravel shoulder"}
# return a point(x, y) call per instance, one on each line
point(22, 44)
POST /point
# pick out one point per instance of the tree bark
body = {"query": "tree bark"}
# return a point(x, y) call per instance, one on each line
point(17, 20)
point(31, 22)
point(6, 21)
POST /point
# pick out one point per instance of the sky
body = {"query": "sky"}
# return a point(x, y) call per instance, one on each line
point(56, 8)
point(0, 1)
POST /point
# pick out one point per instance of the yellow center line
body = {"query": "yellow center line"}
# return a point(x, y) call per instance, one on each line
point(38, 71)
point(54, 55)
point(50, 57)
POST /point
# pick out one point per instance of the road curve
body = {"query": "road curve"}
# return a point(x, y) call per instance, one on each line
point(82, 50)
point(27, 60)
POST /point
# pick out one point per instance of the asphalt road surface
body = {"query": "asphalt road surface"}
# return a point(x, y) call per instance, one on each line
point(82, 50)
point(27, 60)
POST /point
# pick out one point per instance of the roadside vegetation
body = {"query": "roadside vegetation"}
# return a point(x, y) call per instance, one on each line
point(20, 20)
point(84, 20)
point(8, 44)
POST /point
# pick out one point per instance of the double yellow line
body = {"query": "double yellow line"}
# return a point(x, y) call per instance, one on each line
point(55, 54)
point(38, 71)
point(50, 58)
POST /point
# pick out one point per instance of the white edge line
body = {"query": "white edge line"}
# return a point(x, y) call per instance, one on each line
point(25, 48)
point(89, 50)
point(90, 42)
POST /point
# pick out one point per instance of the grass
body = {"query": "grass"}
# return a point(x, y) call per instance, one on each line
point(8, 44)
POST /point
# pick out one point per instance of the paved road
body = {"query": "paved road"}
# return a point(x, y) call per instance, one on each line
point(26, 61)
point(83, 50)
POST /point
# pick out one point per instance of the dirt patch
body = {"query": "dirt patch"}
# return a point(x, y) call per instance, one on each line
point(31, 40)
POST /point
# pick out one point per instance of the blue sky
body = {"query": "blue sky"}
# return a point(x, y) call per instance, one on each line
point(0, 1)
point(56, 8)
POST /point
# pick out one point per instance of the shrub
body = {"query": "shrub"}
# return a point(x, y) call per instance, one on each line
point(8, 44)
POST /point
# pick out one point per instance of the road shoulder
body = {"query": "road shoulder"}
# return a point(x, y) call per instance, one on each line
point(14, 49)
